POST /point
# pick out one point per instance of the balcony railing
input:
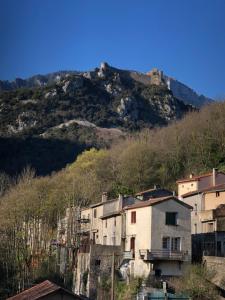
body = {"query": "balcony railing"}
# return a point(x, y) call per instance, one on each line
point(152, 255)
point(128, 255)
point(84, 220)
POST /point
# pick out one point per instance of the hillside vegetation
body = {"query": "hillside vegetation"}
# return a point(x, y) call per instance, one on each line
point(47, 126)
point(159, 156)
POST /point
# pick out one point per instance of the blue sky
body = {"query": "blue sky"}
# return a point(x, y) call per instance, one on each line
point(185, 38)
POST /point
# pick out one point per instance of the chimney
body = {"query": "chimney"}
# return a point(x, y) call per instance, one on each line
point(191, 175)
point(174, 193)
point(120, 198)
point(214, 176)
point(104, 196)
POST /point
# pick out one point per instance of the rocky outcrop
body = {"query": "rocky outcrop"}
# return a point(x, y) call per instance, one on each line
point(70, 85)
point(127, 109)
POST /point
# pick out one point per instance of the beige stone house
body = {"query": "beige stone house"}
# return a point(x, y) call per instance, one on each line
point(134, 229)
point(199, 182)
point(192, 191)
point(158, 237)
point(208, 231)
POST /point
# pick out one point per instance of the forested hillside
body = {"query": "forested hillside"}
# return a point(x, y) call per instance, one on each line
point(158, 156)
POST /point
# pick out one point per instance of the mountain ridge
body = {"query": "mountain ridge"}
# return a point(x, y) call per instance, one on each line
point(180, 90)
point(46, 126)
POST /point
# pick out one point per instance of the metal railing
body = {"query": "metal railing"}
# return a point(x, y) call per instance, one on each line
point(149, 254)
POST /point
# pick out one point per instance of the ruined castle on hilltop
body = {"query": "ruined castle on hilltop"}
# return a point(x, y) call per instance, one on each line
point(157, 77)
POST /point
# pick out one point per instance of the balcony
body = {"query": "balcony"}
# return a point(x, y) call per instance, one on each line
point(84, 220)
point(152, 255)
point(128, 255)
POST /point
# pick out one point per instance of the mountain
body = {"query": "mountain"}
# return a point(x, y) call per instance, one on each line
point(45, 121)
point(179, 89)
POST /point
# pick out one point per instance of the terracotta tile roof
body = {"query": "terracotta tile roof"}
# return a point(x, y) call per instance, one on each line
point(155, 201)
point(195, 178)
point(40, 290)
point(215, 188)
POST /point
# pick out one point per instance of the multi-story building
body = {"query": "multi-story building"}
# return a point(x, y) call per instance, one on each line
point(199, 182)
point(207, 220)
point(148, 236)
point(211, 240)
point(158, 237)
point(192, 191)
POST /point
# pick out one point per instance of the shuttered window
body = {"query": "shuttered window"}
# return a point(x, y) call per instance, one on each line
point(133, 217)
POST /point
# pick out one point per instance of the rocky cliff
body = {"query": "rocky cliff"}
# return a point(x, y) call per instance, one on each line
point(80, 110)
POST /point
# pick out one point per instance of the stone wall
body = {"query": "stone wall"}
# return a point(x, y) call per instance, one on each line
point(96, 267)
point(217, 266)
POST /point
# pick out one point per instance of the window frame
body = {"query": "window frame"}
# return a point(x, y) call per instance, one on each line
point(168, 220)
point(133, 217)
point(167, 238)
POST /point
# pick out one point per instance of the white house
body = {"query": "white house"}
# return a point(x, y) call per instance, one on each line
point(158, 237)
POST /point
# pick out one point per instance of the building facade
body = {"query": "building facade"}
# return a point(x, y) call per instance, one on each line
point(158, 237)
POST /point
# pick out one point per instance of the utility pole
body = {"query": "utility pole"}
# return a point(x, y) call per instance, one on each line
point(113, 275)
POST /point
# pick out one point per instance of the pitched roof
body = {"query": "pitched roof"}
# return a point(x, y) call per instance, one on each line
point(40, 290)
point(215, 188)
point(104, 202)
point(143, 192)
point(151, 190)
point(155, 201)
point(111, 214)
point(195, 178)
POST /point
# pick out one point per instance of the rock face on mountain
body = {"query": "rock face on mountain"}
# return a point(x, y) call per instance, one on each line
point(80, 109)
point(107, 97)
point(186, 94)
point(155, 76)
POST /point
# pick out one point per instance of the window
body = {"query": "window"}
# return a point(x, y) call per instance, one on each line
point(171, 218)
point(210, 227)
point(97, 262)
point(175, 244)
point(114, 221)
point(105, 240)
point(133, 217)
point(132, 246)
point(106, 223)
point(217, 194)
point(95, 213)
point(166, 243)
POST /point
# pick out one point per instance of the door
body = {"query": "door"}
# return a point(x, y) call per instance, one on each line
point(219, 248)
point(132, 246)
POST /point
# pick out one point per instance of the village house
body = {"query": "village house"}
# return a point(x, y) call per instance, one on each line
point(191, 191)
point(158, 237)
point(211, 240)
point(199, 182)
point(46, 290)
point(148, 236)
